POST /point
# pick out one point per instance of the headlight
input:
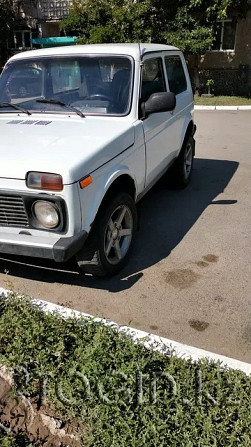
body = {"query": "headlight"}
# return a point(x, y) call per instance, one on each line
point(46, 213)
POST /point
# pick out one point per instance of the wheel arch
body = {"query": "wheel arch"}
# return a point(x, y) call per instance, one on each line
point(189, 130)
point(120, 181)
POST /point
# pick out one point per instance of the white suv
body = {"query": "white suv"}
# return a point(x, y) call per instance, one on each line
point(84, 136)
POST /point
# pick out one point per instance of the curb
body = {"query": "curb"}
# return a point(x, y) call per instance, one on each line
point(150, 341)
point(222, 107)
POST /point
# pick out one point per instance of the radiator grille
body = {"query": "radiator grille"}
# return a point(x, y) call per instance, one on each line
point(12, 211)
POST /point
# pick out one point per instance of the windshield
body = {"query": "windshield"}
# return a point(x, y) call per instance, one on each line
point(99, 85)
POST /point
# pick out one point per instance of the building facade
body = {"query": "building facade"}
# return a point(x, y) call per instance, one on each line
point(37, 19)
point(228, 62)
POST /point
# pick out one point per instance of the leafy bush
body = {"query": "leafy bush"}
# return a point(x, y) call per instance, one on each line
point(9, 440)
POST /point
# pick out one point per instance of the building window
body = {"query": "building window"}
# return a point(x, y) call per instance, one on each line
point(21, 40)
point(224, 36)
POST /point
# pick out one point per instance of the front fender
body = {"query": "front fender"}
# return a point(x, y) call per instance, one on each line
point(92, 196)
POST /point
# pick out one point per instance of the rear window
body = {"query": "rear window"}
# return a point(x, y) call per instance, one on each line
point(176, 75)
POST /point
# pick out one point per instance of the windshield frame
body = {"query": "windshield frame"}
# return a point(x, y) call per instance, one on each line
point(47, 61)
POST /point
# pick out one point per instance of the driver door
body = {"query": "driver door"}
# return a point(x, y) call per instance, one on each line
point(159, 141)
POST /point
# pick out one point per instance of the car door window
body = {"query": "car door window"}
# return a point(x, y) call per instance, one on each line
point(152, 78)
point(176, 76)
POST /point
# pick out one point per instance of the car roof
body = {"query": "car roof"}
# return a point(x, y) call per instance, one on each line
point(136, 50)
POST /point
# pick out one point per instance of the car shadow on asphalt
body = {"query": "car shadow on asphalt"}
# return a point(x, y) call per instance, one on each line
point(166, 216)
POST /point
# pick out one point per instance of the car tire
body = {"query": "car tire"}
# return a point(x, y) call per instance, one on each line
point(179, 174)
point(109, 245)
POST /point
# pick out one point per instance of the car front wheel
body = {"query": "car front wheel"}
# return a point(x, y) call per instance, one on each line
point(110, 242)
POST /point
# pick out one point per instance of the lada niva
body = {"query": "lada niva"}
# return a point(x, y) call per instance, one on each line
point(81, 146)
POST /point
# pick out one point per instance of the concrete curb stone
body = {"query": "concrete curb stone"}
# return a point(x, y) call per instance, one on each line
point(222, 107)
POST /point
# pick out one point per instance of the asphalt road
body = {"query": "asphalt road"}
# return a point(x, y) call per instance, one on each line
point(190, 276)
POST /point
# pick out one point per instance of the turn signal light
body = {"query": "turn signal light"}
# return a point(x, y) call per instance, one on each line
point(85, 182)
point(43, 180)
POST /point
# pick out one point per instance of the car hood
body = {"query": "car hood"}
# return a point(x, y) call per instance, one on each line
point(72, 147)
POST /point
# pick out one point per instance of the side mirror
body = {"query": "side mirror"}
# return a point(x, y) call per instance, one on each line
point(159, 102)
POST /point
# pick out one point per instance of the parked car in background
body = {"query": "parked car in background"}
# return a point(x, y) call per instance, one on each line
point(23, 84)
point(86, 131)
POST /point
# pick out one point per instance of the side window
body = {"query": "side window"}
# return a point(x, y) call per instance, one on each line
point(152, 78)
point(176, 76)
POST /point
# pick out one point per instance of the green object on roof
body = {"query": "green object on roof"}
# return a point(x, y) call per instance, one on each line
point(46, 42)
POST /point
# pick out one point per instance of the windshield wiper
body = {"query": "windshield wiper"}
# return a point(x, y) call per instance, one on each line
point(14, 106)
point(62, 104)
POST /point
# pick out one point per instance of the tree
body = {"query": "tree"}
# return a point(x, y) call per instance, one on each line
point(7, 23)
point(188, 24)
point(113, 21)
point(192, 27)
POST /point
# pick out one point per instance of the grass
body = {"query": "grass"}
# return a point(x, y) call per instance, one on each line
point(119, 392)
point(222, 101)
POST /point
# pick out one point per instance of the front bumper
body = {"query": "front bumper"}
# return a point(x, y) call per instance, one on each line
point(26, 245)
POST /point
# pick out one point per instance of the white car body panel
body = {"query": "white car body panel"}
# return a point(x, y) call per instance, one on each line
point(48, 150)
point(130, 162)
point(163, 131)
point(130, 49)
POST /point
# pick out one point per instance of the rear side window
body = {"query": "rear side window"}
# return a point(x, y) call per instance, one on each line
point(176, 76)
